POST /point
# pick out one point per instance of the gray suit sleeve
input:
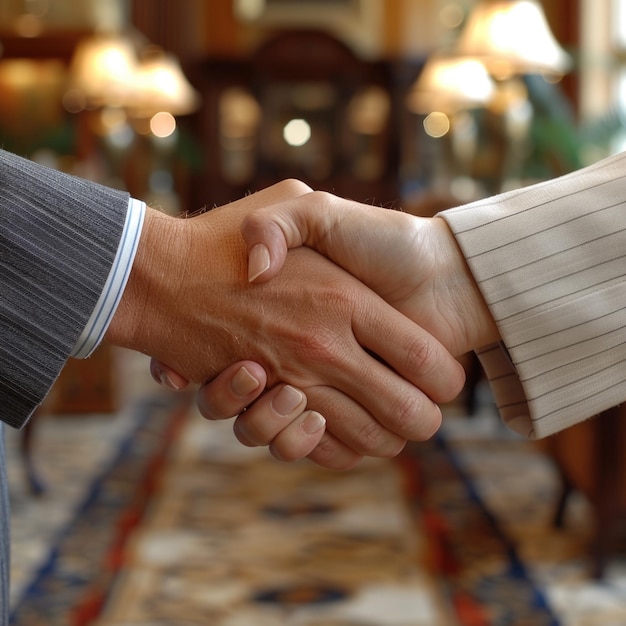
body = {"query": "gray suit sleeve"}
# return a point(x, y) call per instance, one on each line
point(58, 238)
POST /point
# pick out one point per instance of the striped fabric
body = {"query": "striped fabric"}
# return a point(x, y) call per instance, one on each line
point(550, 261)
point(105, 308)
point(4, 535)
point(58, 238)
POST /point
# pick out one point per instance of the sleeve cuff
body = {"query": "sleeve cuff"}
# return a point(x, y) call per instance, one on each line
point(114, 287)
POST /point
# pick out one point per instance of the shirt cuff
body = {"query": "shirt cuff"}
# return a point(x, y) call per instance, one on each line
point(114, 287)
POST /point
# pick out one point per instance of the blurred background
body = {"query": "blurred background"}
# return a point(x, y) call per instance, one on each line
point(191, 103)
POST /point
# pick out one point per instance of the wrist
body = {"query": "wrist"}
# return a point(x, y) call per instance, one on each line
point(139, 313)
point(477, 325)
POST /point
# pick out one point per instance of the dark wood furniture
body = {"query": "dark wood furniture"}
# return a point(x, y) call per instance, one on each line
point(307, 74)
point(591, 458)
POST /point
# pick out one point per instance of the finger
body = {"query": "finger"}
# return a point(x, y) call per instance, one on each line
point(358, 430)
point(231, 391)
point(410, 351)
point(284, 191)
point(269, 415)
point(276, 419)
point(392, 404)
point(295, 435)
point(305, 220)
point(267, 257)
point(166, 376)
point(281, 191)
point(333, 454)
point(268, 235)
point(299, 438)
point(388, 395)
point(396, 404)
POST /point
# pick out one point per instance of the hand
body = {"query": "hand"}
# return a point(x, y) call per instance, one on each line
point(413, 263)
point(384, 249)
point(277, 420)
point(188, 304)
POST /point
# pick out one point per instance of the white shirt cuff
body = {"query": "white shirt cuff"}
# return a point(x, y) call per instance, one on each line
point(114, 287)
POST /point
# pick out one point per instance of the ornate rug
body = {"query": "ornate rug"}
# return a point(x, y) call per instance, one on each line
point(187, 527)
point(85, 533)
point(488, 500)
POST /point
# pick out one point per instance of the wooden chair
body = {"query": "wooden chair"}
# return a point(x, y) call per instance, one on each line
point(591, 458)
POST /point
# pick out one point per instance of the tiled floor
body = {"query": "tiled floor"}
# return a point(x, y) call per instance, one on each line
point(187, 556)
point(237, 538)
point(182, 543)
point(519, 487)
point(69, 452)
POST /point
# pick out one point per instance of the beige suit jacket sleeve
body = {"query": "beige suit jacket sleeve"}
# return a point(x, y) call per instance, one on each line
point(550, 260)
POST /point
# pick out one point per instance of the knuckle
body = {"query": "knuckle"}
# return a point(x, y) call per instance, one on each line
point(293, 185)
point(371, 441)
point(323, 201)
point(452, 385)
point(248, 435)
point(415, 417)
point(406, 411)
point(321, 198)
point(320, 345)
point(423, 355)
point(325, 449)
point(376, 441)
point(445, 374)
point(330, 455)
point(214, 407)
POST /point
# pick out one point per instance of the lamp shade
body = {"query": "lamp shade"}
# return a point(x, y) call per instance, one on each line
point(162, 86)
point(448, 83)
point(512, 36)
point(104, 69)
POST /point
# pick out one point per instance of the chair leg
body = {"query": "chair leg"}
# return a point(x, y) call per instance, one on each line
point(35, 484)
point(606, 520)
point(559, 512)
point(609, 469)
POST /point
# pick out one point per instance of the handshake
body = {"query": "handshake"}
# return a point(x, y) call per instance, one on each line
point(345, 345)
point(339, 348)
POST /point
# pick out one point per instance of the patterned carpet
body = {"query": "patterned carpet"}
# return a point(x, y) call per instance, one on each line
point(155, 518)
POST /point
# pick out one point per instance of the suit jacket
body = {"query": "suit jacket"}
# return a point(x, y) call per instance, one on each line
point(58, 239)
point(4, 536)
point(550, 261)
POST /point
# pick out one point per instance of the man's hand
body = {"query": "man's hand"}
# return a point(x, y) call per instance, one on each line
point(372, 373)
point(278, 419)
point(413, 263)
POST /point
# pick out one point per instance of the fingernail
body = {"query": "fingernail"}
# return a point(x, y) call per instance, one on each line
point(313, 423)
point(258, 261)
point(166, 381)
point(243, 382)
point(287, 400)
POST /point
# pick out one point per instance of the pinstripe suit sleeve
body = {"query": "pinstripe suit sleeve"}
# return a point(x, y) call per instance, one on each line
point(58, 238)
point(550, 261)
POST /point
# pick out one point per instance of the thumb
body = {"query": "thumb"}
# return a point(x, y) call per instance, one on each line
point(269, 233)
